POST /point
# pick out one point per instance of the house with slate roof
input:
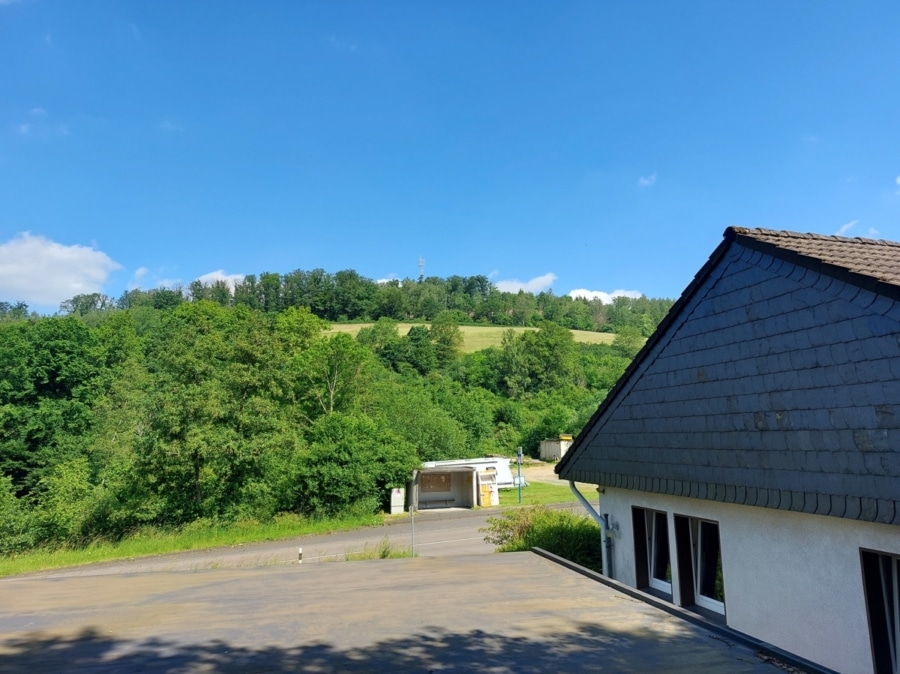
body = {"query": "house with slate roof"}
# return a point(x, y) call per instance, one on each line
point(748, 460)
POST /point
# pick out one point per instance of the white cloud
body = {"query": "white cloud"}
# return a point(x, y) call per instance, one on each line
point(168, 283)
point(873, 233)
point(220, 275)
point(169, 126)
point(37, 112)
point(604, 297)
point(39, 271)
point(135, 282)
point(846, 228)
point(535, 285)
point(387, 279)
point(647, 181)
point(897, 180)
point(23, 129)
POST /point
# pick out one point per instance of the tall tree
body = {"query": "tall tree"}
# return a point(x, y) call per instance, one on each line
point(447, 338)
point(331, 373)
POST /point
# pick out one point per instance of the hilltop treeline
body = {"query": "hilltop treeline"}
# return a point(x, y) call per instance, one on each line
point(347, 296)
point(172, 411)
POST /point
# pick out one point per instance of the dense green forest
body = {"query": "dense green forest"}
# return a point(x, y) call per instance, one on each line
point(167, 407)
point(347, 296)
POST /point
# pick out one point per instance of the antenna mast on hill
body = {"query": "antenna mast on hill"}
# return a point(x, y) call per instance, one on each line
point(421, 269)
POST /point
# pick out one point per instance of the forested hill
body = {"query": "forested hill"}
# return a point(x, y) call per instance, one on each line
point(155, 411)
point(347, 296)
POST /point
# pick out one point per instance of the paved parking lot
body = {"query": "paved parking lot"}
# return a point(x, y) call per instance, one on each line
point(514, 612)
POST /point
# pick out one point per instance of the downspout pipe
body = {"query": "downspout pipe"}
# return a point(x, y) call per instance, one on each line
point(605, 541)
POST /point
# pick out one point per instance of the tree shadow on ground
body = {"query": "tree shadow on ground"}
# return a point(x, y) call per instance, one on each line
point(587, 648)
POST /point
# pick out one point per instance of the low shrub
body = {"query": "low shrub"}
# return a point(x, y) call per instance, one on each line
point(384, 550)
point(574, 537)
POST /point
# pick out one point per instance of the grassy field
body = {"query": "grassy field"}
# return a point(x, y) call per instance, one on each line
point(477, 337)
point(194, 537)
point(537, 493)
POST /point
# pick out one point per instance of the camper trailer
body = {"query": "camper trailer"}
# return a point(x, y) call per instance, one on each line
point(487, 467)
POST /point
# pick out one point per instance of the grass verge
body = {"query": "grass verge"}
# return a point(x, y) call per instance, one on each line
point(537, 493)
point(384, 550)
point(196, 536)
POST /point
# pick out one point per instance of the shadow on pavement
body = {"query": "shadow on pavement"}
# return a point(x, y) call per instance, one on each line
point(586, 648)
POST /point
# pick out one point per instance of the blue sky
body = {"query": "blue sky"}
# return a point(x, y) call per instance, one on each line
point(601, 146)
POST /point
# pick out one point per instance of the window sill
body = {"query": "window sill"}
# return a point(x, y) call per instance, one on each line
point(659, 594)
point(712, 616)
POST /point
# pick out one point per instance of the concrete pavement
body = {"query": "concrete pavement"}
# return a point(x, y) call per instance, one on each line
point(514, 612)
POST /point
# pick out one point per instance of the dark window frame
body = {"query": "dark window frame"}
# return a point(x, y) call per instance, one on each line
point(881, 584)
point(651, 545)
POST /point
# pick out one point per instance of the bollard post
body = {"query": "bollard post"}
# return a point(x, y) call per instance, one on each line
point(519, 465)
point(299, 555)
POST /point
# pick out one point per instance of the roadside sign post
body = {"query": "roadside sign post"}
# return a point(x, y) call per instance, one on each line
point(519, 465)
point(413, 504)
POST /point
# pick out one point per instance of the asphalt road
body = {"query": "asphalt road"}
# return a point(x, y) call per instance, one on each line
point(439, 533)
point(457, 607)
point(488, 614)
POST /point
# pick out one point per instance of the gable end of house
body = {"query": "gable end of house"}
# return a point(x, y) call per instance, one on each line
point(773, 382)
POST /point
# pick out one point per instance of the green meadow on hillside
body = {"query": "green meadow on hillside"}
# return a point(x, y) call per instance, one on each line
point(477, 337)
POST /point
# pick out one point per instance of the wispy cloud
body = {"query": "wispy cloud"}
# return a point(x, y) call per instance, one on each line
point(144, 278)
point(37, 270)
point(846, 228)
point(39, 124)
point(604, 297)
point(139, 274)
point(647, 181)
point(535, 285)
point(897, 180)
point(168, 126)
point(168, 283)
point(8, 2)
point(872, 233)
point(135, 32)
point(219, 275)
point(340, 44)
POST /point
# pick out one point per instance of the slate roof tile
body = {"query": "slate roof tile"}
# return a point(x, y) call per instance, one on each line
point(867, 257)
point(772, 382)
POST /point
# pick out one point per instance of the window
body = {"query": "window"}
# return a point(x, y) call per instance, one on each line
point(700, 576)
point(707, 565)
point(881, 580)
point(651, 534)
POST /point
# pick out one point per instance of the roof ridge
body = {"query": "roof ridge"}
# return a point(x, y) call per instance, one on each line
point(788, 234)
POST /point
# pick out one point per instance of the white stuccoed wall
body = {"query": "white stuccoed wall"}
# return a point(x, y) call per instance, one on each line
point(792, 580)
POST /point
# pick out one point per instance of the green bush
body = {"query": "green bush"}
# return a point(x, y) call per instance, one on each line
point(16, 530)
point(573, 537)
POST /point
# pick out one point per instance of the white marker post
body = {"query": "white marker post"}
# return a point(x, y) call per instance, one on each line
point(299, 555)
point(519, 466)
